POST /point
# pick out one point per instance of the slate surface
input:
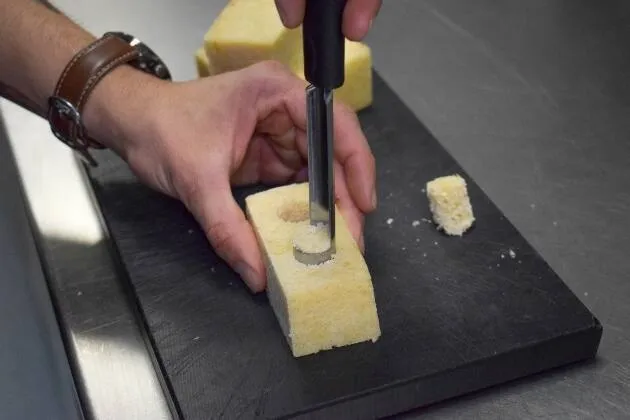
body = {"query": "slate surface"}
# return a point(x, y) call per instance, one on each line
point(457, 314)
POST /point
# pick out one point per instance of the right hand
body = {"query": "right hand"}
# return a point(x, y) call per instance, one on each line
point(357, 17)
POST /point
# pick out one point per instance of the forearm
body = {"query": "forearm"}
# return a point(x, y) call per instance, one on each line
point(37, 43)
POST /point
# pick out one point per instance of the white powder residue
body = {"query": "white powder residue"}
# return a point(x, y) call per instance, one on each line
point(390, 221)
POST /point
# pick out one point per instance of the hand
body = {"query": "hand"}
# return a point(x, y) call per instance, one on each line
point(239, 128)
point(357, 18)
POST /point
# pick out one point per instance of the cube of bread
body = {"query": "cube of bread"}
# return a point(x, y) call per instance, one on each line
point(250, 31)
point(318, 307)
point(450, 204)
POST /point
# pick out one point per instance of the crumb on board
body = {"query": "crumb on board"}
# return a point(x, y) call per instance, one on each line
point(79, 293)
point(196, 338)
point(390, 221)
point(190, 231)
point(435, 243)
point(512, 253)
point(415, 223)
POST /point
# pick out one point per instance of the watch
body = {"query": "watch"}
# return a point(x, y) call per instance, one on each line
point(83, 73)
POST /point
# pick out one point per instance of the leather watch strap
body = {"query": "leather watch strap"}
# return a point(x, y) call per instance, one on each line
point(76, 83)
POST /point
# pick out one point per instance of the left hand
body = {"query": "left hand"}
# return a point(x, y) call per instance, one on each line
point(194, 140)
point(357, 16)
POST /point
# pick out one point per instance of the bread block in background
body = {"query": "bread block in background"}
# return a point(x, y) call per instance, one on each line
point(250, 31)
point(318, 307)
point(202, 63)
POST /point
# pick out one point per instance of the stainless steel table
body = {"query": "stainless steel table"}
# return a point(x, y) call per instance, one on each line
point(531, 97)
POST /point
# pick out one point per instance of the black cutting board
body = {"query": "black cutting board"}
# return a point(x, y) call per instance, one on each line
point(457, 314)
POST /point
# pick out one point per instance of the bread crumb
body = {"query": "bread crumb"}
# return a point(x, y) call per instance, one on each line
point(512, 254)
point(390, 221)
point(415, 223)
point(79, 293)
point(196, 338)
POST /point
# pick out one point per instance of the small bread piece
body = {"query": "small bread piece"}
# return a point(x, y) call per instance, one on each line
point(450, 204)
point(318, 307)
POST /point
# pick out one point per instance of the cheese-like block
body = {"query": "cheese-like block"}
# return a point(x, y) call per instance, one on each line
point(250, 31)
point(450, 204)
point(202, 63)
point(318, 307)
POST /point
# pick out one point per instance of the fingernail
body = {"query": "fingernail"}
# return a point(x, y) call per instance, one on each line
point(248, 275)
point(362, 243)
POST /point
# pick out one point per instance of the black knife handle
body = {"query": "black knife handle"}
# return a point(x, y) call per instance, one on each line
point(324, 43)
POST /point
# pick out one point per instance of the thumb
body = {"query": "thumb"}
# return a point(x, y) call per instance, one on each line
point(230, 233)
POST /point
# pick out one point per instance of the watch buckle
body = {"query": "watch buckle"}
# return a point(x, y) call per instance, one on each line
point(68, 112)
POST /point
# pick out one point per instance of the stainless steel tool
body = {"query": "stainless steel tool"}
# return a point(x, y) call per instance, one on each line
point(324, 54)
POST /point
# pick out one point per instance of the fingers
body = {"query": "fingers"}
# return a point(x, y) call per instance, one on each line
point(227, 229)
point(352, 215)
point(358, 16)
point(291, 12)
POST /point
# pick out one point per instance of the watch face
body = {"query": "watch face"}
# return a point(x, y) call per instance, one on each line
point(148, 61)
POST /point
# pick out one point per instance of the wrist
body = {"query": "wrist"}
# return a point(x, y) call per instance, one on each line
point(119, 113)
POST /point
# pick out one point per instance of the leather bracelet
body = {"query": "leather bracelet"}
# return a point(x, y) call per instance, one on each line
point(77, 81)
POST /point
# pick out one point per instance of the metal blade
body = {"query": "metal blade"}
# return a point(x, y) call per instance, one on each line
point(320, 166)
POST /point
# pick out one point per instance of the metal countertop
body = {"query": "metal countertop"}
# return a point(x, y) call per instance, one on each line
point(531, 97)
